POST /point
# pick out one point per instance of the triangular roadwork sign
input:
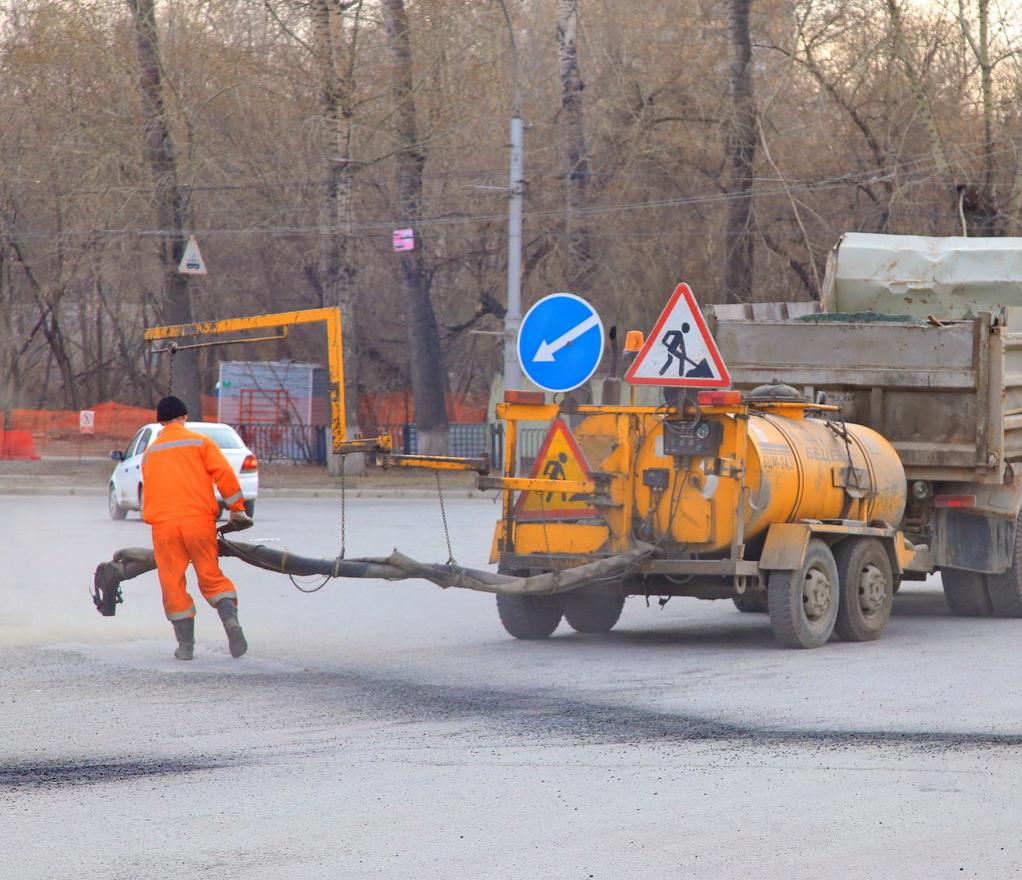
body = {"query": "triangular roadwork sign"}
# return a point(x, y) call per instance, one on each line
point(191, 261)
point(680, 351)
point(560, 458)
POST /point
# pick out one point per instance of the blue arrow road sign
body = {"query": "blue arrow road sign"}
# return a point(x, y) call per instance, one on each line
point(560, 342)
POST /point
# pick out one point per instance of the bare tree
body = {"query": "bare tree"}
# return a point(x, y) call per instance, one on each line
point(171, 214)
point(573, 140)
point(429, 381)
point(982, 199)
point(336, 46)
point(741, 156)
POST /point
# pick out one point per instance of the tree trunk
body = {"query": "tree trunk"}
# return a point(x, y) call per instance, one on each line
point(979, 203)
point(580, 266)
point(741, 156)
point(337, 273)
point(161, 156)
point(429, 380)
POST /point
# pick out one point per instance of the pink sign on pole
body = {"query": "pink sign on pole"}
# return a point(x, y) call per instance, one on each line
point(404, 240)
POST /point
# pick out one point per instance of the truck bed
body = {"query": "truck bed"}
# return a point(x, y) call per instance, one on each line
point(948, 396)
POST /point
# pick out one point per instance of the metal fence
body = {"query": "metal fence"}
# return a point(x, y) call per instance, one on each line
point(468, 440)
point(309, 444)
point(299, 443)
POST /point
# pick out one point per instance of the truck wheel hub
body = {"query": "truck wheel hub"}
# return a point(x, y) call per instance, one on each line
point(872, 590)
point(816, 594)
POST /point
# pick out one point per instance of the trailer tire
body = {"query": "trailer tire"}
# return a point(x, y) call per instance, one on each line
point(966, 592)
point(592, 612)
point(803, 603)
point(751, 602)
point(1005, 589)
point(529, 617)
point(866, 583)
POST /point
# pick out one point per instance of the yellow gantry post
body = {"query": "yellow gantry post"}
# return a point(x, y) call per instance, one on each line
point(335, 353)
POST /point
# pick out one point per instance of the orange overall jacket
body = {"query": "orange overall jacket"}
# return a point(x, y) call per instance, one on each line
point(178, 472)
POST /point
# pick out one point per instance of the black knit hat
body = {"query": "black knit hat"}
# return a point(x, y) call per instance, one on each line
point(169, 408)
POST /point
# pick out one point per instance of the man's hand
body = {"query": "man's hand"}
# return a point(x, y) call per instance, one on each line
point(241, 520)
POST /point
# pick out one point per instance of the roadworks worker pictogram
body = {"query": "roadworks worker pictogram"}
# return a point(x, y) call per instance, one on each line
point(560, 458)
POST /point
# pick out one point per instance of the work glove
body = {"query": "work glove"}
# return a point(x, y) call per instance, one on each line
point(241, 520)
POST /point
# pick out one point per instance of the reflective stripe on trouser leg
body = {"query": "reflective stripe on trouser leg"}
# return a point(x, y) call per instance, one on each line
point(213, 600)
point(200, 538)
point(172, 559)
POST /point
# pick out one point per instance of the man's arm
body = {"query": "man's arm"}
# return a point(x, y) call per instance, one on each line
point(223, 475)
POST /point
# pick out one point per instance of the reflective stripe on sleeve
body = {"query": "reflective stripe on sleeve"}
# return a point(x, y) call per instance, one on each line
point(237, 496)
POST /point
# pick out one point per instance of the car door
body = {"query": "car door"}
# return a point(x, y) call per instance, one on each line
point(124, 488)
point(134, 469)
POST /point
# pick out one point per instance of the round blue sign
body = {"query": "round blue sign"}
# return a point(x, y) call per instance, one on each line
point(560, 342)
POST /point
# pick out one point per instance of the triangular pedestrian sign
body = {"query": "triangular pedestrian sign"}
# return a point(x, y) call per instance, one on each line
point(191, 261)
point(680, 351)
point(560, 458)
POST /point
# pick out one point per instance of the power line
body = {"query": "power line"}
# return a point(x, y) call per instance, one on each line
point(894, 173)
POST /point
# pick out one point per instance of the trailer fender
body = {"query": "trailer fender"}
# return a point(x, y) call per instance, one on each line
point(785, 547)
point(786, 543)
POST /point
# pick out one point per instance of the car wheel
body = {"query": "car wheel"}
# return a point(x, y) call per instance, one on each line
point(113, 505)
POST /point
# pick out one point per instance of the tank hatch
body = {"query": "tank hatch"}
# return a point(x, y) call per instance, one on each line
point(777, 392)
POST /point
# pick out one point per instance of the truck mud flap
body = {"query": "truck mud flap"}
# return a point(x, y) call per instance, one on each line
point(972, 541)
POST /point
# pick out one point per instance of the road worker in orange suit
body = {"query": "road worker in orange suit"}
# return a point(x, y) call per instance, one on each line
point(178, 472)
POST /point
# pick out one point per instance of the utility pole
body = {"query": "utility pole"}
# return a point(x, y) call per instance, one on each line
point(516, 192)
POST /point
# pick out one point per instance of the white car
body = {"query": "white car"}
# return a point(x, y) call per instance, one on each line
point(126, 481)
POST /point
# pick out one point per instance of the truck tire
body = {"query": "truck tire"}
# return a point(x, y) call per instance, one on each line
point(592, 612)
point(529, 617)
point(966, 592)
point(1005, 589)
point(113, 505)
point(866, 583)
point(803, 603)
point(751, 602)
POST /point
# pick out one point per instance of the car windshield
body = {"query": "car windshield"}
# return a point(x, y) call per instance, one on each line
point(221, 435)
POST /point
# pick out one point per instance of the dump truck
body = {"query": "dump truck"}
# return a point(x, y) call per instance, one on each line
point(855, 450)
point(921, 344)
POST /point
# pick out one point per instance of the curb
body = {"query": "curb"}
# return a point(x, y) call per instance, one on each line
point(297, 494)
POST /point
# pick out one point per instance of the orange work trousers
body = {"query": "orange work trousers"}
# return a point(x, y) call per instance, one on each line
point(177, 543)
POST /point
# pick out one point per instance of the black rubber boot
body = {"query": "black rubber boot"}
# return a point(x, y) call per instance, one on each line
point(185, 632)
point(228, 611)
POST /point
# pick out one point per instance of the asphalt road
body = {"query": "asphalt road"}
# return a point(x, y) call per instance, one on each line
point(394, 730)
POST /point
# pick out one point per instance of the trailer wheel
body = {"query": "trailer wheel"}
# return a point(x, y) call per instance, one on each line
point(803, 603)
point(751, 602)
point(966, 592)
point(529, 617)
point(592, 612)
point(1005, 589)
point(866, 583)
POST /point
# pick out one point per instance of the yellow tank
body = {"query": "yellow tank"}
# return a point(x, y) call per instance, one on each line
point(797, 468)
